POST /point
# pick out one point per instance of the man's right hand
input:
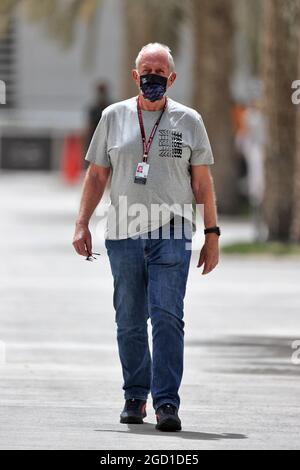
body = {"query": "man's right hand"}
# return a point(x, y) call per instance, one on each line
point(82, 240)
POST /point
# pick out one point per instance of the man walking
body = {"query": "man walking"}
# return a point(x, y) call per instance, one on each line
point(157, 153)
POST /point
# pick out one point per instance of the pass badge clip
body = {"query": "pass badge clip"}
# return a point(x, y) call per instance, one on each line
point(141, 173)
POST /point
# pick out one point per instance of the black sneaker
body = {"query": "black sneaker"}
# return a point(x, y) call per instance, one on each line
point(134, 411)
point(167, 418)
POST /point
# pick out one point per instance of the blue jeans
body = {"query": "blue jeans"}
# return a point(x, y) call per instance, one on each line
point(150, 277)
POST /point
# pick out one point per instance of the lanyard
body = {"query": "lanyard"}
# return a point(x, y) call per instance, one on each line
point(147, 145)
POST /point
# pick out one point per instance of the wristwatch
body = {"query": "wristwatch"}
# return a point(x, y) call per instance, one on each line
point(215, 229)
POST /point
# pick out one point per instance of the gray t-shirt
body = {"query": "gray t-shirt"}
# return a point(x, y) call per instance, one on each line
point(180, 141)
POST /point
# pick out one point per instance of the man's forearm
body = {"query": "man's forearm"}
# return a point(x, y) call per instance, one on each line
point(93, 189)
point(205, 195)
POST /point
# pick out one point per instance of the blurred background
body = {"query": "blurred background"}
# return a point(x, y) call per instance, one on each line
point(62, 62)
point(238, 64)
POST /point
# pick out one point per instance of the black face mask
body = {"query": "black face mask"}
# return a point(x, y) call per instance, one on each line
point(153, 86)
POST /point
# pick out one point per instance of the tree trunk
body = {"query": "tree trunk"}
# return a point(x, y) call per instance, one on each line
point(295, 230)
point(137, 35)
point(149, 21)
point(281, 19)
point(213, 67)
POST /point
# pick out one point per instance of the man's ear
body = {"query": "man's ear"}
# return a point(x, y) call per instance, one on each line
point(135, 74)
point(172, 79)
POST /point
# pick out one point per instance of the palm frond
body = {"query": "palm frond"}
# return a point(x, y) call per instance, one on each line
point(156, 22)
point(7, 8)
point(59, 18)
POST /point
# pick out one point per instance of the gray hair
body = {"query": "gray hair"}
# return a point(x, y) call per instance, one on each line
point(157, 46)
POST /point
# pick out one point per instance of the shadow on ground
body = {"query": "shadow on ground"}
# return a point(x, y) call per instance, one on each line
point(149, 429)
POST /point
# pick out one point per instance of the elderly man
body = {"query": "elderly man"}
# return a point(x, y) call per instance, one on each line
point(157, 153)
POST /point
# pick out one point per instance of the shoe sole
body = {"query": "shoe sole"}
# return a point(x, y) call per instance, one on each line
point(168, 424)
point(132, 419)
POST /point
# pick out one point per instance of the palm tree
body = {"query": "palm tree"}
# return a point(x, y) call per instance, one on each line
point(145, 21)
point(213, 67)
point(59, 18)
point(295, 228)
point(280, 53)
point(149, 21)
point(7, 8)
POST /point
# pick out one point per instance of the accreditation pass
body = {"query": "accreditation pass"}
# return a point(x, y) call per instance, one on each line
point(141, 173)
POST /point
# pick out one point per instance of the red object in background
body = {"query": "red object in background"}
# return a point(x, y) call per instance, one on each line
point(71, 159)
point(238, 114)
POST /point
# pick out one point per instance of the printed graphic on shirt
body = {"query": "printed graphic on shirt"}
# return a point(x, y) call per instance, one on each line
point(170, 143)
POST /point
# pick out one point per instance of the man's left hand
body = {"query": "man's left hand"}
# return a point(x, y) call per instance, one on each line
point(209, 255)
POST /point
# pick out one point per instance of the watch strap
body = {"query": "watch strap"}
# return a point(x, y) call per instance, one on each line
point(215, 229)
